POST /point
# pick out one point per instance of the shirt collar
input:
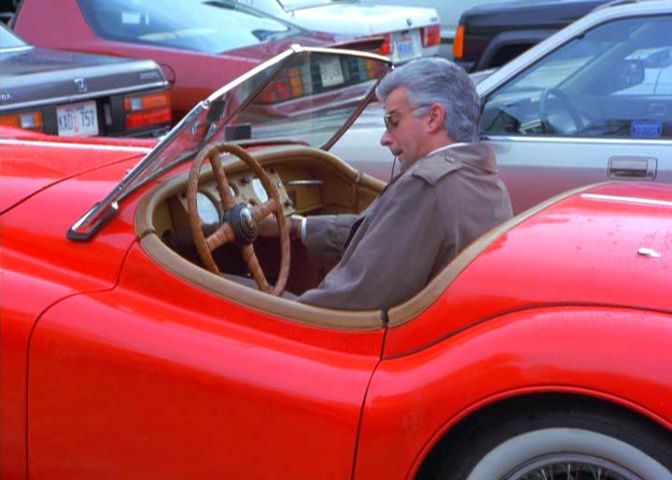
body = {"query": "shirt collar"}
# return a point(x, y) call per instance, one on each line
point(445, 147)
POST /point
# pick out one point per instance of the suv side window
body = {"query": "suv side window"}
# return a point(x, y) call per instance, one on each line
point(614, 81)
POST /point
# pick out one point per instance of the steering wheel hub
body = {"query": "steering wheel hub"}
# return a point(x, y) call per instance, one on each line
point(242, 221)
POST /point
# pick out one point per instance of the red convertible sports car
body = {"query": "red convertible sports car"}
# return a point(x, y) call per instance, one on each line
point(543, 351)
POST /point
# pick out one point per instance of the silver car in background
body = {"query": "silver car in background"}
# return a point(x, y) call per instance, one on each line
point(591, 103)
point(408, 32)
point(449, 15)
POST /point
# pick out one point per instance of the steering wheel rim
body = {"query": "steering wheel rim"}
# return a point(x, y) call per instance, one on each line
point(226, 233)
point(566, 103)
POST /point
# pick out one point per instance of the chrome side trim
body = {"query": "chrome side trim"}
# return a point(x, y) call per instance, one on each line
point(294, 183)
point(632, 200)
point(16, 49)
point(648, 252)
point(78, 98)
point(580, 140)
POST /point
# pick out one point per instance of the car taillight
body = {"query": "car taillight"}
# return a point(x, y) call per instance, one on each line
point(431, 35)
point(27, 120)
point(288, 84)
point(458, 43)
point(386, 46)
point(147, 110)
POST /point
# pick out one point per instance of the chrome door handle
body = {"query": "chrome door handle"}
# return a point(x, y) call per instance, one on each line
point(632, 166)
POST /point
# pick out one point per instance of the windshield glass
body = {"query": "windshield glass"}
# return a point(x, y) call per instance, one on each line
point(305, 95)
point(302, 97)
point(208, 26)
point(8, 40)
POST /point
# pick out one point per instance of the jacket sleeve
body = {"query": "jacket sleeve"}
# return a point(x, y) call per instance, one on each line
point(393, 259)
point(326, 236)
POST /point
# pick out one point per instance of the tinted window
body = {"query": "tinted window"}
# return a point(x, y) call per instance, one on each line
point(203, 26)
point(615, 81)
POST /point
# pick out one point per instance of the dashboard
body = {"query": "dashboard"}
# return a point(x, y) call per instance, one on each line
point(309, 182)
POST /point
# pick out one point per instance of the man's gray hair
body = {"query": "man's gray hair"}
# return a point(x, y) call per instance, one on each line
point(437, 80)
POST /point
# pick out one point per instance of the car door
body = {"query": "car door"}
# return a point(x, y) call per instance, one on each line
point(160, 379)
point(597, 108)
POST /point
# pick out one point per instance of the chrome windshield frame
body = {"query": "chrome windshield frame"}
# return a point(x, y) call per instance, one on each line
point(103, 211)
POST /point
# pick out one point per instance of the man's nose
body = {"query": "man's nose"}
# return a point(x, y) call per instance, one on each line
point(386, 139)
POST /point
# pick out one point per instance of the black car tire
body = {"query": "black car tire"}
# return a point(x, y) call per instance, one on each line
point(520, 446)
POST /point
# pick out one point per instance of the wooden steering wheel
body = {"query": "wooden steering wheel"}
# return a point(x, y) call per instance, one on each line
point(239, 220)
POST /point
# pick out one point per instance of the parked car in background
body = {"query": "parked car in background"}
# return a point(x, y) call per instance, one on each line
point(200, 45)
point(409, 32)
point(589, 104)
point(490, 35)
point(7, 9)
point(531, 340)
point(76, 94)
point(449, 15)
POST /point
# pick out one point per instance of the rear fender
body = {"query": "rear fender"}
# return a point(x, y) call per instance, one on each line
point(609, 353)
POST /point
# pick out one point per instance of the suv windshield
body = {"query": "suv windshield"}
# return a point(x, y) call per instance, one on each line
point(208, 26)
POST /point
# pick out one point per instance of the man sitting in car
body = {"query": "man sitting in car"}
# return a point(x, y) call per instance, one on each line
point(447, 194)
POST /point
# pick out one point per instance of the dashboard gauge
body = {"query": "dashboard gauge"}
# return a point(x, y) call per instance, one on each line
point(207, 210)
point(259, 190)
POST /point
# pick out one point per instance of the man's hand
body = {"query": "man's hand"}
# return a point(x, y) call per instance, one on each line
point(268, 227)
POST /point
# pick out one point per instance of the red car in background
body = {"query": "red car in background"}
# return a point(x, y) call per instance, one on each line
point(541, 352)
point(201, 45)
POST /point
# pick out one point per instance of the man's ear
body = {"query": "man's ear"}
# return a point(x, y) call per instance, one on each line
point(437, 115)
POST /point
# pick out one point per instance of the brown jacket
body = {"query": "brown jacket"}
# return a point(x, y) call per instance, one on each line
point(415, 227)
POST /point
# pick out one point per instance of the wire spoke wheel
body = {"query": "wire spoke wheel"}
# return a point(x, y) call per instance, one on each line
point(571, 467)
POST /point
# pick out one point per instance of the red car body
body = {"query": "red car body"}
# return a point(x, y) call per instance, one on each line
point(115, 364)
point(112, 367)
point(194, 74)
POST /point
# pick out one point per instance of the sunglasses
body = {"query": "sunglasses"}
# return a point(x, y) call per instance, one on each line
point(391, 120)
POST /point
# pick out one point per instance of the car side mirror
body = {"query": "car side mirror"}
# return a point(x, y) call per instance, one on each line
point(629, 73)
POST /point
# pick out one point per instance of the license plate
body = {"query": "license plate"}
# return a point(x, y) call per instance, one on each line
point(331, 72)
point(405, 45)
point(77, 120)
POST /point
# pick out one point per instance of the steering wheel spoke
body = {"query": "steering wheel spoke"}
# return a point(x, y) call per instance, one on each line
point(225, 195)
point(255, 269)
point(224, 234)
point(259, 212)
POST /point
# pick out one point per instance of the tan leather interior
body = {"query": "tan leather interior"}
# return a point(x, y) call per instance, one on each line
point(309, 181)
point(417, 304)
point(313, 180)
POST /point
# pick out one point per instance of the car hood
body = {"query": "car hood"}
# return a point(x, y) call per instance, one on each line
point(367, 19)
point(32, 163)
point(31, 76)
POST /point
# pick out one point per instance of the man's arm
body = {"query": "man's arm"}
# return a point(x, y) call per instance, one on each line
point(394, 258)
point(325, 236)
